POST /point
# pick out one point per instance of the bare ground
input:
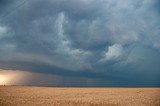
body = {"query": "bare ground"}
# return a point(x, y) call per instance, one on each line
point(50, 96)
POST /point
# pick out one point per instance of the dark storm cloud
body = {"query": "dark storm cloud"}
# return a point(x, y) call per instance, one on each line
point(106, 39)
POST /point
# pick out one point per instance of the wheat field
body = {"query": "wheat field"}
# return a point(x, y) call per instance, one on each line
point(51, 96)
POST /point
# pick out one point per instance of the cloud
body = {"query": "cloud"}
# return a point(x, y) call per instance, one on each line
point(82, 36)
point(63, 47)
point(114, 52)
point(3, 31)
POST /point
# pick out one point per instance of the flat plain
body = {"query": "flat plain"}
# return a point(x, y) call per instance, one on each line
point(52, 96)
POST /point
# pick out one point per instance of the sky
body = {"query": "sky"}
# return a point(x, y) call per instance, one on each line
point(88, 43)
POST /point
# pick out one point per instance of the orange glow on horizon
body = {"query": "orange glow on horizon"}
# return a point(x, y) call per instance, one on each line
point(3, 79)
point(10, 77)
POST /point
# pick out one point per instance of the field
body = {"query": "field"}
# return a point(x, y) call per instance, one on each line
point(50, 96)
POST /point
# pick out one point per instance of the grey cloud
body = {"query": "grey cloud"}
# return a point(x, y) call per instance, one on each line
point(3, 30)
point(75, 35)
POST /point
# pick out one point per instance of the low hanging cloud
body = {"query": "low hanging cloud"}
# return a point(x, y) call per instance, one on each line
point(96, 38)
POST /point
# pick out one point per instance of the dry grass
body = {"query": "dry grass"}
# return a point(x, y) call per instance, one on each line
point(42, 96)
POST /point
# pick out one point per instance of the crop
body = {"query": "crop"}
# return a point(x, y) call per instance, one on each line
point(51, 96)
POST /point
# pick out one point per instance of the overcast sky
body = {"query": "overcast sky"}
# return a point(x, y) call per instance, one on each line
point(82, 42)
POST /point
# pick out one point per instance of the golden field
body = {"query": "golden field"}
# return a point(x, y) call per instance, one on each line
point(51, 96)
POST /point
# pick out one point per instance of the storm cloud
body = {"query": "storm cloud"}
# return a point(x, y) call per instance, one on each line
point(108, 40)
